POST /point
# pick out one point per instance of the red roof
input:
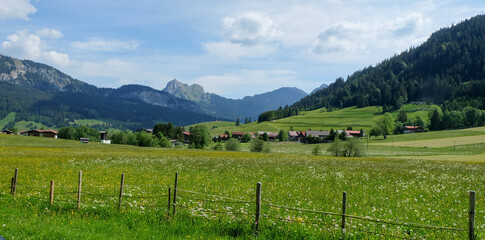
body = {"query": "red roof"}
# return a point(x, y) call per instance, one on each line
point(412, 127)
point(353, 132)
point(237, 133)
point(186, 133)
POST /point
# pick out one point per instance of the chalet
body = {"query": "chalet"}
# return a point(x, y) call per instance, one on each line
point(84, 140)
point(176, 143)
point(272, 136)
point(103, 137)
point(237, 135)
point(320, 134)
point(413, 129)
point(356, 134)
point(186, 137)
point(293, 135)
point(301, 136)
point(40, 133)
point(7, 132)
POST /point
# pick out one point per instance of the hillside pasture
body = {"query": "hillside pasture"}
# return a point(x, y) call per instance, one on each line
point(321, 119)
point(438, 143)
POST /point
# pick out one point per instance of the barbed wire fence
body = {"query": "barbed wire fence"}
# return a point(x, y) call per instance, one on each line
point(192, 201)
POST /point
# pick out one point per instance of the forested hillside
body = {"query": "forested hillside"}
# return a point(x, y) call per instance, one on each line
point(448, 69)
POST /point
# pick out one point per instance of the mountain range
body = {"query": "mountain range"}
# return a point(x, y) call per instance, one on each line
point(38, 92)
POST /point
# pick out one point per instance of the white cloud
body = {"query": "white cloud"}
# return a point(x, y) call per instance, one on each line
point(22, 45)
point(56, 58)
point(16, 9)
point(49, 33)
point(345, 38)
point(248, 35)
point(25, 45)
point(100, 45)
point(250, 29)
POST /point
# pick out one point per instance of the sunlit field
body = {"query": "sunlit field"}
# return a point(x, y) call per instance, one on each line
point(216, 192)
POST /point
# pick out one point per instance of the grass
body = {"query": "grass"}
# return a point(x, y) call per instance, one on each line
point(10, 117)
point(88, 122)
point(320, 119)
point(394, 183)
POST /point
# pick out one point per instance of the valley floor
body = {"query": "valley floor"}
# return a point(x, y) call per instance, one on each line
point(408, 186)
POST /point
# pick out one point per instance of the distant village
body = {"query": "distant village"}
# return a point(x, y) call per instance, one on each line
point(309, 136)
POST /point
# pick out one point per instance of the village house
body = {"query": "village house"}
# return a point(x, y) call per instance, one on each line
point(103, 137)
point(272, 136)
point(186, 137)
point(292, 135)
point(356, 134)
point(237, 135)
point(321, 135)
point(40, 133)
point(413, 129)
point(7, 132)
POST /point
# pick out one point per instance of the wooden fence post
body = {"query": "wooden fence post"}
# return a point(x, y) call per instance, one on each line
point(121, 190)
point(258, 207)
point(471, 217)
point(15, 180)
point(175, 192)
point(51, 193)
point(169, 198)
point(344, 210)
point(79, 189)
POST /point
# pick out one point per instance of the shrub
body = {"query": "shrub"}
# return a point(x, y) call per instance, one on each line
point(164, 142)
point(317, 150)
point(246, 138)
point(257, 145)
point(336, 148)
point(233, 145)
point(218, 147)
point(353, 147)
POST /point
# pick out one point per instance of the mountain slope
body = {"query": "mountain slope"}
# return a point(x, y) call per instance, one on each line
point(249, 106)
point(447, 69)
point(41, 93)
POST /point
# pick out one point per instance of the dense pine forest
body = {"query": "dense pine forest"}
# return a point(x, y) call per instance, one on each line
point(448, 70)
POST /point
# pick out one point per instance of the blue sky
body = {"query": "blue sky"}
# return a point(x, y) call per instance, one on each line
point(231, 48)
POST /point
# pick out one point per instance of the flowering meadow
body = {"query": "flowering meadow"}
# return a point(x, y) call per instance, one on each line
point(301, 194)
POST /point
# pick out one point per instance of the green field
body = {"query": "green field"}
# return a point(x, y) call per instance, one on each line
point(320, 119)
point(400, 184)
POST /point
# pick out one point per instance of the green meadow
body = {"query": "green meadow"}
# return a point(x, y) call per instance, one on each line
point(321, 119)
point(403, 185)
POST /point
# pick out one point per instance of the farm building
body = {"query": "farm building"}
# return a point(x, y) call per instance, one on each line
point(7, 132)
point(357, 134)
point(237, 135)
point(40, 133)
point(186, 137)
point(103, 137)
point(413, 129)
point(293, 135)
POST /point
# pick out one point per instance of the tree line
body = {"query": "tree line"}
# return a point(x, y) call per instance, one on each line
point(446, 69)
